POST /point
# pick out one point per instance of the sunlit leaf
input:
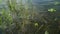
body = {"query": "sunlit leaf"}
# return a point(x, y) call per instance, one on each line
point(36, 24)
point(0, 1)
point(46, 32)
point(51, 10)
point(56, 3)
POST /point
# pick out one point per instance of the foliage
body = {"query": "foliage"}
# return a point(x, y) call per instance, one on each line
point(36, 24)
point(22, 18)
point(46, 32)
point(51, 10)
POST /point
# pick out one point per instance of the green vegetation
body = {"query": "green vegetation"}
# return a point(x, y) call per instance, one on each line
point(23, 18)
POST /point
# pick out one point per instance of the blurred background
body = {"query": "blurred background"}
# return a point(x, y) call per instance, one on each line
point(29, 16)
